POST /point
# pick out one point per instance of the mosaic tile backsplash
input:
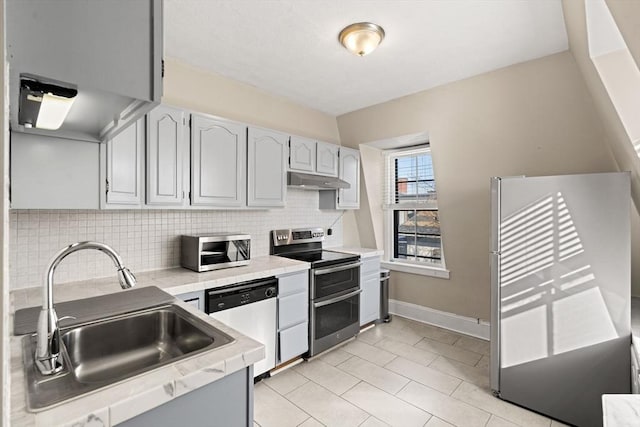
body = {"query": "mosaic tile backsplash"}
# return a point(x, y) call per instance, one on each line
point(145, 239)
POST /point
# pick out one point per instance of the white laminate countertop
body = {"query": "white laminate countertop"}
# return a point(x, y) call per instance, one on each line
point(126, 399)
point(363, 252)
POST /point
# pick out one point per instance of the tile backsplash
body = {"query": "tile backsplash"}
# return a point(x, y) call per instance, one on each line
point(145, 239)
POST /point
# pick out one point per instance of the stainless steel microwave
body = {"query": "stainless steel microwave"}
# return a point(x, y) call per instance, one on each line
point(214, 251)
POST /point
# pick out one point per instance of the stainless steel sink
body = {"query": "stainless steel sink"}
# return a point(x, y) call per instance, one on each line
point(103, 352)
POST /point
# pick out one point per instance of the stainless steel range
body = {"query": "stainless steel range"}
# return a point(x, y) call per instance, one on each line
point(334, 280)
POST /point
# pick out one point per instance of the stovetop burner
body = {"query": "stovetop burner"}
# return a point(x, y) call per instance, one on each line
point(306, 245)
point(321, 258)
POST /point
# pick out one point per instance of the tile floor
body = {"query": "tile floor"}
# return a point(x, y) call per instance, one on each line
point(403, 373)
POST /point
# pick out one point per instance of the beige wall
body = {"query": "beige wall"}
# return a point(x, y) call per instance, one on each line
point(198, 90)
point(535, 118)
point(627, 15)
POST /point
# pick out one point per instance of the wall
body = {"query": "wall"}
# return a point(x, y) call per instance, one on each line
point(4, 228)
point(146, 239)
point(192, 88)
point(627, 15)
point(534, 118)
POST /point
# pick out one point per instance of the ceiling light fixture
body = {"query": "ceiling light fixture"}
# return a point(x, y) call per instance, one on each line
point(361, 38)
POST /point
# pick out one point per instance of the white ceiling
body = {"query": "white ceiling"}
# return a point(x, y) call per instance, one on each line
point(290, 47)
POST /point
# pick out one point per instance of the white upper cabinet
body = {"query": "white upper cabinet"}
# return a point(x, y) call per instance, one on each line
point(327, 158)
point(110, 51)
point(302, 154)
point(54, 173)
point(267, 168)
point(218, 162)
point(350, 172)
point(310, 156)
point(165, 156)
point(122, 162)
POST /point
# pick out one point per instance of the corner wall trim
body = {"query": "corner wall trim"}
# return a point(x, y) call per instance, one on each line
point(465, 325)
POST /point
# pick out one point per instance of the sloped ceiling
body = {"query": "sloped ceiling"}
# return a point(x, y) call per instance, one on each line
point(290, 47)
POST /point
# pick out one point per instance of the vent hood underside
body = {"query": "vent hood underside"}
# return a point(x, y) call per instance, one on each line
point(308, 181)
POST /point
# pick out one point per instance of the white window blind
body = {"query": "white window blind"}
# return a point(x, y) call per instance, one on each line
point(413, 224)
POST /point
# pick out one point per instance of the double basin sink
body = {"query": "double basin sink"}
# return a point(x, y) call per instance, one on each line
point(113, 348)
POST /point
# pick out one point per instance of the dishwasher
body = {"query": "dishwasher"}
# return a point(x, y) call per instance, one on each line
point(249, 308)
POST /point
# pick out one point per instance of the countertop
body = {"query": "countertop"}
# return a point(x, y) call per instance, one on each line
point(363, 252)
point(620, 410)
point(124, 400)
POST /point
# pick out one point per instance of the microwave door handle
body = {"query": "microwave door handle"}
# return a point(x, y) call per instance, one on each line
point(321, 271)
point(336, 299)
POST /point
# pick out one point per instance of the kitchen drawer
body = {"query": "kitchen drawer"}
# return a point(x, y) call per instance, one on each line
point(293, 309)
point(293, 342)
point(293, 284)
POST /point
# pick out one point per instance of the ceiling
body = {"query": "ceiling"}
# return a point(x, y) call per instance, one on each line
point(290, 48)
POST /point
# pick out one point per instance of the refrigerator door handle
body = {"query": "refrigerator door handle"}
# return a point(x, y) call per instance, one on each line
point(495, 251)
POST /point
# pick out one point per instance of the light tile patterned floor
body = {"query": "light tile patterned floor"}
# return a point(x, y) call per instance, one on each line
point(402, 373)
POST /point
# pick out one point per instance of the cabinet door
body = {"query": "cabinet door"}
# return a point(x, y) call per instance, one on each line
point(165, 150)
point(302, 154)
point(293, 342)
point(370, 285)
point(327, 158)
point(350, 172)
point(123, 163)
point(267, 168)
point(218, 162)
point(293, 309)
point(370, 299)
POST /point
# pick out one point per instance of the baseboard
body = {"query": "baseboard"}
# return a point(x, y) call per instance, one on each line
point(465, 325)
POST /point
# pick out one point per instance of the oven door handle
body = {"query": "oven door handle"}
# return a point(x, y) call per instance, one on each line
point(329, 270)
point(336, 299)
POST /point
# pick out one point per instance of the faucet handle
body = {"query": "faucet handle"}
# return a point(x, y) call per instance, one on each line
point(66, 317)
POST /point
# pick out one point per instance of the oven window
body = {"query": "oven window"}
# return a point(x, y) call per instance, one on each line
point(336, 282)
point(331, 318)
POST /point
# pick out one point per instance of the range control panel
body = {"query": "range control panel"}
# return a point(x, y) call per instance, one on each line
point(299, 235)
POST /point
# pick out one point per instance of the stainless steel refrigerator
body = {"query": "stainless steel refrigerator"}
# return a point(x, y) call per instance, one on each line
point(560, 292)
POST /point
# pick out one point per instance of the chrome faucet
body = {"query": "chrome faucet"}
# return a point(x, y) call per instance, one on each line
point(47, 357)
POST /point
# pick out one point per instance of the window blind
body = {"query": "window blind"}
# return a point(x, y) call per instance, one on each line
point(409, 180)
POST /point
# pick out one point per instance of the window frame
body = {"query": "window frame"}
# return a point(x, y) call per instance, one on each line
point(389, 210)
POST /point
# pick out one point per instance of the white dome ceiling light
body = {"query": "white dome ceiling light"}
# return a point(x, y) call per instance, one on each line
point(361, 38)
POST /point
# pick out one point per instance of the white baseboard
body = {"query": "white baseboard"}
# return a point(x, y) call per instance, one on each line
point(465, 325)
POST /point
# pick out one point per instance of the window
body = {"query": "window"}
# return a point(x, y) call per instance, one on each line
point(413, 224)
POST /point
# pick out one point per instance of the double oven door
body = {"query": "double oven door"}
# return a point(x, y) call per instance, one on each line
point(334, 306)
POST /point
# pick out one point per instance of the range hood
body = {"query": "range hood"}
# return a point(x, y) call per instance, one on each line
point(307, 181)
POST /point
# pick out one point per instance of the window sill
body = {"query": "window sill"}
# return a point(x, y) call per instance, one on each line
point(441, 273)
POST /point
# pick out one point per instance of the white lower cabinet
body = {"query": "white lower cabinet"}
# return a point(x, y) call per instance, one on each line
point(370, 285)
point(293, 315)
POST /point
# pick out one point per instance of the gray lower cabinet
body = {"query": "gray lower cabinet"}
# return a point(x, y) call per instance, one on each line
point(223, 403)
point(267, 153)
point(166, 153)
point(218, 162)
point(293, 315)
point(370, 285)
point(122, 163)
